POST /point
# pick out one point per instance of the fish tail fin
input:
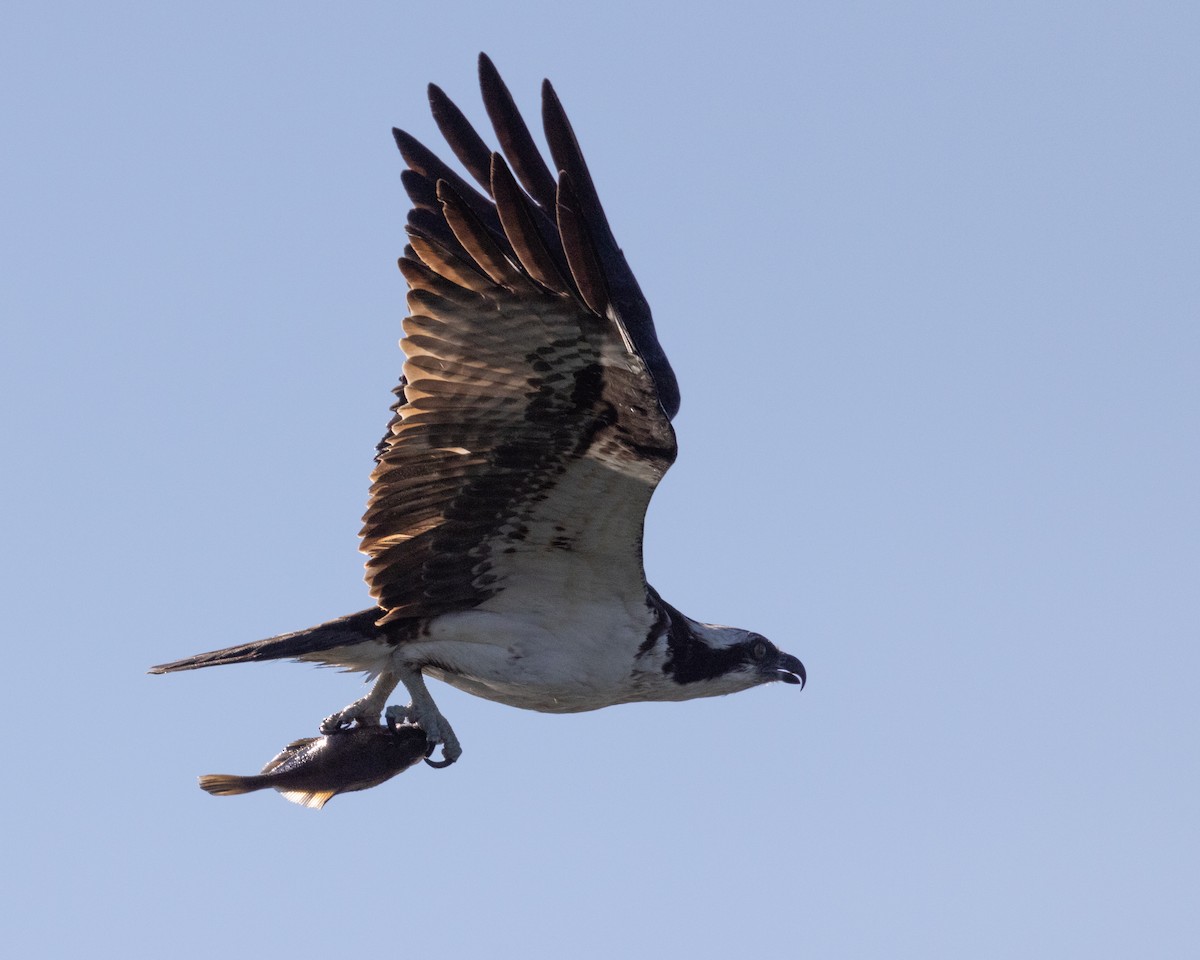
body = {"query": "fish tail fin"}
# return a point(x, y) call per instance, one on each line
point(344, 631)
point(229, 785)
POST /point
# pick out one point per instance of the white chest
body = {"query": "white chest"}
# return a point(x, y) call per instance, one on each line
point(577, 655)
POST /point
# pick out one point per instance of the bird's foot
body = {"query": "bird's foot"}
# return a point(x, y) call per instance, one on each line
point(363, 712)
point(358, 714)
point(396, 715)
point(437, 731)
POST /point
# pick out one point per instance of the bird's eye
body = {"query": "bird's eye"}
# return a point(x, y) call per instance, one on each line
point(758, 649)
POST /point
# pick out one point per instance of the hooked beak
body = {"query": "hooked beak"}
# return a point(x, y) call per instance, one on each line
point(789, 669)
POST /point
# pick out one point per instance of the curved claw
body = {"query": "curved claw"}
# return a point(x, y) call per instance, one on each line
point(337, 723)
point(436, 764)
point(423, 714)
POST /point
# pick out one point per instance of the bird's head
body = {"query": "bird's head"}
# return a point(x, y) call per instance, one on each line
point(725, 659)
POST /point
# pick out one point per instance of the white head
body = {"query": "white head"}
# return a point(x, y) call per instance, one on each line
point(706, 659)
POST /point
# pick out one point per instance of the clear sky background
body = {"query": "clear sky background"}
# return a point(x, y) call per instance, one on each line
point(928, 275)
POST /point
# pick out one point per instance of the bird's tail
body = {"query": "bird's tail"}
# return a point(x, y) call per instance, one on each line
point(344, 631)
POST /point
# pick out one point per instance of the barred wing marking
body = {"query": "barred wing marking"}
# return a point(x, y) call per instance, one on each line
point(531, 426)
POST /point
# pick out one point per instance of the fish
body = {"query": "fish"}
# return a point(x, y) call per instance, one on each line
point(313, 770)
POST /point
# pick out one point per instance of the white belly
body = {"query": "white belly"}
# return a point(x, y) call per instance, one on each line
point(583, 660)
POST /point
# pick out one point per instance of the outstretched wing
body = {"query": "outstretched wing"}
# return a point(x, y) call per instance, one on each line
point(532, 421)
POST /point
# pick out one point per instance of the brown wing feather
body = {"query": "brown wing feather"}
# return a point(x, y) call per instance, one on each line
point(522, 401)
point(524, 225)
point(515, 139)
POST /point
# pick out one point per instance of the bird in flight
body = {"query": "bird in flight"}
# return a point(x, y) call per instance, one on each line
point(531, 426)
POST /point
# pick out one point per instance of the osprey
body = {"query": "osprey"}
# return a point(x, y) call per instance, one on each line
point(531, 425)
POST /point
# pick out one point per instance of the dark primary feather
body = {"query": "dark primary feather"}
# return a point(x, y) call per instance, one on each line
point(515, 138)
point(467, 145)
point(578, 244)
point(527, 229)
point(625, 295)
point(422, 160)
point(531, 365)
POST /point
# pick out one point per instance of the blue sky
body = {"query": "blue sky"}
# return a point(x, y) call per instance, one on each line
point(927, 274)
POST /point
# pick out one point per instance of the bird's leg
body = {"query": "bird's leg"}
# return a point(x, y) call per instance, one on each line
point(365, 710)
point(425, 714)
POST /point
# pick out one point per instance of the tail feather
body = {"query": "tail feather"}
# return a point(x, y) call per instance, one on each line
point(355, 628)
